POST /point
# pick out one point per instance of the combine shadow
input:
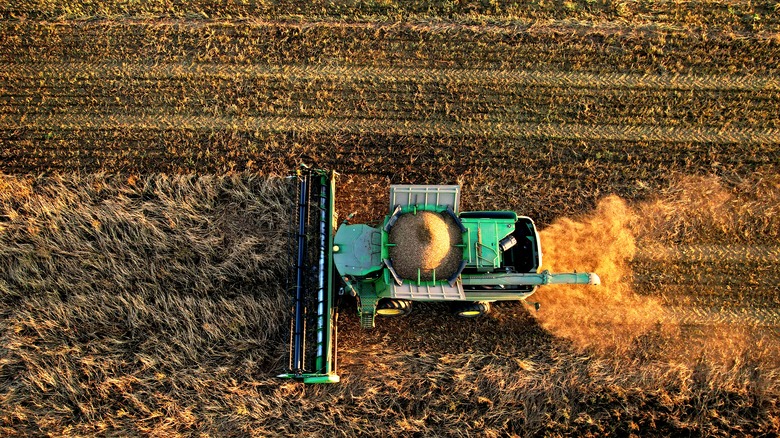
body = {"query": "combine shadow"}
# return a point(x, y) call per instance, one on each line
point(431, 328)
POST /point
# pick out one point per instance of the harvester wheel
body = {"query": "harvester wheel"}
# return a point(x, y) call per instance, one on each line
point(473, 309)
point(388, 307)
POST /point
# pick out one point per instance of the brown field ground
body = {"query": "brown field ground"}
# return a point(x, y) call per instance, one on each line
point(143, 217)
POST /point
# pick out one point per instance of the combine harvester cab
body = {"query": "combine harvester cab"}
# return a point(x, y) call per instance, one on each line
point(424, 250)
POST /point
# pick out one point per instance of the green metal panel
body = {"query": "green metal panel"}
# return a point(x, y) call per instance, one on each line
point(357, 250)
point(324, 378)
point(313, 378)
point(481, 241)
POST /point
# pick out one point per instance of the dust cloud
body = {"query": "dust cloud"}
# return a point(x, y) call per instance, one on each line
point(716, 221)
point(601, 242)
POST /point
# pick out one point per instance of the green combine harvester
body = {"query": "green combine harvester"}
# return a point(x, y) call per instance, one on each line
point(426, 249)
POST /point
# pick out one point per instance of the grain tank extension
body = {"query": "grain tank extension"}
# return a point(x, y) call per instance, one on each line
point(425, 249)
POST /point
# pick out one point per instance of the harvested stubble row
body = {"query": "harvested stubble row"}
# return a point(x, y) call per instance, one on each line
point(425, 241)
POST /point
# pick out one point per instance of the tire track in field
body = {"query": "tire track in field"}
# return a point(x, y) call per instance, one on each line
point(385, 75)
point(387, 98)
point(653, 16)
point(575, 131)
point(729, 300)
point(608, 47)
point(751, 316)
point(765, 254)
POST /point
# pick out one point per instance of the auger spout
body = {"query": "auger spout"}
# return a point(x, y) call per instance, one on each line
point(532, 279)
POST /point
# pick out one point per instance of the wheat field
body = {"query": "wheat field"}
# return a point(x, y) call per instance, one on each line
point(144, 213)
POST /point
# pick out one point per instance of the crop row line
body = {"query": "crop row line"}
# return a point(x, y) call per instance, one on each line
point(428, 114)
point(394, 127)
point(747, 316)
point(125, 90)
point(466, 149)
point(672, 278)
point(758, 107)
point(713, 253)
point(247, 28)
point(252, 149)
point(78, 70)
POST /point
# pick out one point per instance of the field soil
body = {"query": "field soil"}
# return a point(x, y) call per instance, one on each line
point(144, 216)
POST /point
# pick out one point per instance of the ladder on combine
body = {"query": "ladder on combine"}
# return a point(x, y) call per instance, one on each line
point(311, 281)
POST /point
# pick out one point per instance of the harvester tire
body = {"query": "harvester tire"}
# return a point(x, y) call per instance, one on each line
point(473, 309)
point(389, 307)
